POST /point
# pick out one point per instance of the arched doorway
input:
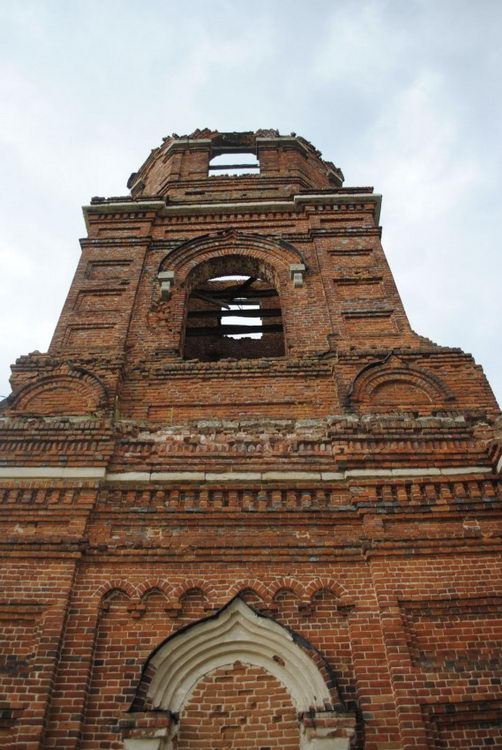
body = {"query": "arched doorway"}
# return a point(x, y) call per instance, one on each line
point(239, 681)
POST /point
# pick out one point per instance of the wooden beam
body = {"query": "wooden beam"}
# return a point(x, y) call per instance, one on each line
point(211, 301)
point(240, 288)
point(259, 313)
point(235, 329)
point(225, 294)
point(234, 166)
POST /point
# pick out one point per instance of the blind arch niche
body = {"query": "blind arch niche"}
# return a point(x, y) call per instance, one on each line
point(238, 636)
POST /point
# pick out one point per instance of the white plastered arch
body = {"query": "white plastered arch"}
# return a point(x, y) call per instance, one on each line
point(236, 634)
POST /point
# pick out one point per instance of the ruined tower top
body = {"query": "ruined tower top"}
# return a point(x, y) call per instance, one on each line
point(239, 256)
point(272, 164)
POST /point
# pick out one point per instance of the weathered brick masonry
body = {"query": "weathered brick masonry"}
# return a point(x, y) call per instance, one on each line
point(291, 541)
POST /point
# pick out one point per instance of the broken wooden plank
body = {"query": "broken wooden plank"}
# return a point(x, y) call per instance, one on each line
point(232, 329)
point(257, 313)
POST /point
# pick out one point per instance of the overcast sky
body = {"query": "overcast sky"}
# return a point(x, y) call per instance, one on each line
point(404, 95)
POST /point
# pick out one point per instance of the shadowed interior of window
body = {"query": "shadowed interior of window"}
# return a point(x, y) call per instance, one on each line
point(233, 317)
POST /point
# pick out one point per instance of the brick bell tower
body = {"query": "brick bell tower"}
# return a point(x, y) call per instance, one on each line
point(244, 505)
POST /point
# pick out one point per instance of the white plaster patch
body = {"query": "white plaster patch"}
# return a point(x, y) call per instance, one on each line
point(291, 476)
point(52, 472)
point(146, 743)
point(98, 472)
point(246, 476)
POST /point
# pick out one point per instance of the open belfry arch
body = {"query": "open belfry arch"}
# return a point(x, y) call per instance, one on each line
point(244, 505)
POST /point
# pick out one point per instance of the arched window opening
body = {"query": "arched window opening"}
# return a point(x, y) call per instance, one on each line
point(232, 163)
point(234, 316)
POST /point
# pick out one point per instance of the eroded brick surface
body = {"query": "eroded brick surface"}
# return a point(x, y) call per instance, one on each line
point(239, 707)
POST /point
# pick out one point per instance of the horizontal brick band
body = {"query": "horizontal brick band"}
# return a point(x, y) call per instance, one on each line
point(52, 472)
point(97, 472)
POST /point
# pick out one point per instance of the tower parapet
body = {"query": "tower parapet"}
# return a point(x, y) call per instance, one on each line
point(179, 169)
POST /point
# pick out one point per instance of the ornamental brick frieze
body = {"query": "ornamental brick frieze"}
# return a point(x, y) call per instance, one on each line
point(181, 598)
point(56, 441)
point(337, 442)
point(157, 367)
point(412, 495)
point(354, 234)
point(16, 495)
point(30, 366)
point(355, 519)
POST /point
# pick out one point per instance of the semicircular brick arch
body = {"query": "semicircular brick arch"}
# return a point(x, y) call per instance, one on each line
point(288, 584)
point(154, 584)
point(191, 584)
point(251, 584)
point(328, 584)
point(68, 390)
point(395, 383)
point(116, 584)
point(272, 253)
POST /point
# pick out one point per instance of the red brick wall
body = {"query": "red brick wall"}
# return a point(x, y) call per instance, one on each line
point(349, 489)
point(235, 707)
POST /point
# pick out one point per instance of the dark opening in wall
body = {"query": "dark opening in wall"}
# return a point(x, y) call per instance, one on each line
point(234, 315)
